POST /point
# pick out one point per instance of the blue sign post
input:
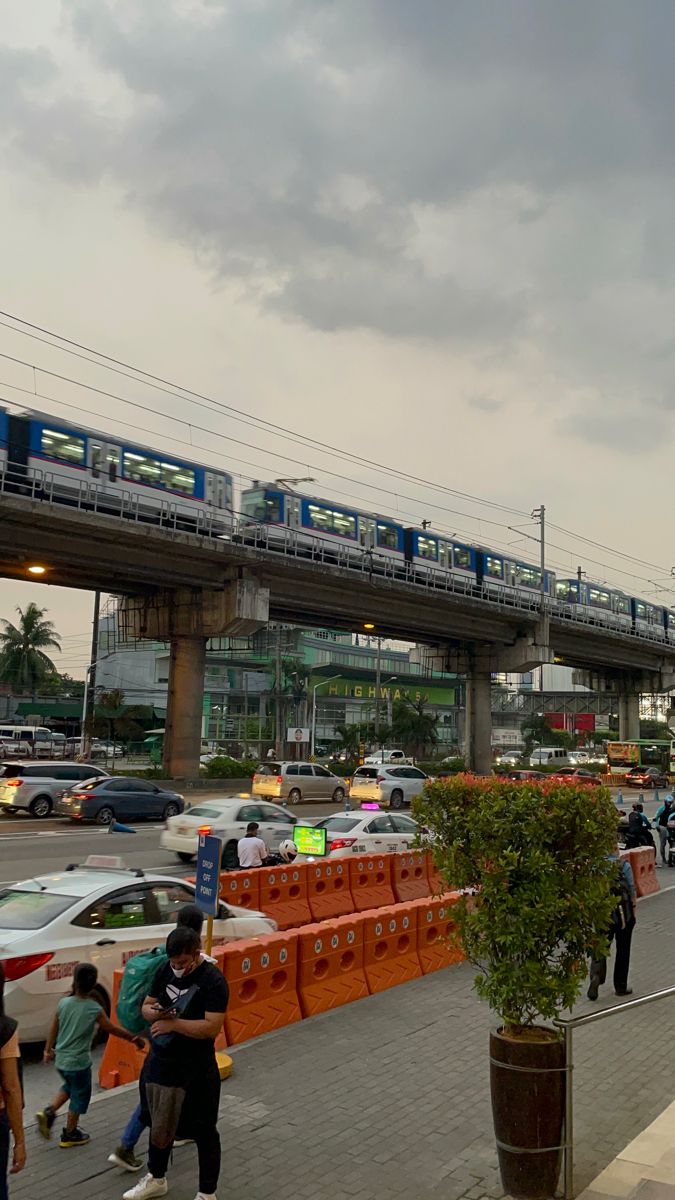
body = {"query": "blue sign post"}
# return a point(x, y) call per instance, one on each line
point(207, 887)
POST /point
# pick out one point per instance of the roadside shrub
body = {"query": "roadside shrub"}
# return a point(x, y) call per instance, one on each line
point(536, 855)
point(228, 768)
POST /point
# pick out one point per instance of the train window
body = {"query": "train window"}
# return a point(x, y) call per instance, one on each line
point(494, 567)
point(427, 547)
point(387, 536)
point(262, 506)
point(179, 479)
point(330, 520)
point(566, 590)
point(640, 609)
point(142, 468)
point(622, 604)
point(599, 597)
point(526, 576)
point(461, 558)
point(64, 446)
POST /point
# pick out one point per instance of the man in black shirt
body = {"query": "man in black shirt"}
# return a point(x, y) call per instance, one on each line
point(180, 1082)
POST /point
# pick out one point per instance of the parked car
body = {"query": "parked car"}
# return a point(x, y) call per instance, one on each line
point(367, 833)
point(389, 757)
point(227, 819)
point(36, 786)
point(391, 787)
point(646, 777)
point(576, 775)
point(97, 915)
point(531, 776)
point(295, 781)
point(118, 799)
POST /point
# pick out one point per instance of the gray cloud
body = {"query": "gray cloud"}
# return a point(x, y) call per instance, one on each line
point(485, 403)
point(497, 178)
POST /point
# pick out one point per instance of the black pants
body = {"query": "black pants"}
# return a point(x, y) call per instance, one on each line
point(208, 1150)
point(621, 958)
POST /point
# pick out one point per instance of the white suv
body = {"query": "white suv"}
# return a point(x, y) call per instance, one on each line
point(36, 786)
point(391, 787)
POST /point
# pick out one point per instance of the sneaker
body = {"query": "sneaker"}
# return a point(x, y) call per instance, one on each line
point(77, 1137)
point(45, 1120)
point(146, 1187)
point(592, 992)
point(183, 1141)
point(125, 1158)
point(206, 1196)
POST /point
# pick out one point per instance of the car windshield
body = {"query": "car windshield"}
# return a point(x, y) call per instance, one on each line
point(337, 824)
point(203, 810)
point(31, 910)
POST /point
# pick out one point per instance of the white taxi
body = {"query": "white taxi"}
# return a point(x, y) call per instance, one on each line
point(227, 819)
point(367, 832)
point(102, 915)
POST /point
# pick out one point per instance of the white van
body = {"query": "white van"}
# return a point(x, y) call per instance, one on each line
point(555, 755)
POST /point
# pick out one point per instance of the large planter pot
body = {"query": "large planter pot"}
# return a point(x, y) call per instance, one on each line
point(527, 1084)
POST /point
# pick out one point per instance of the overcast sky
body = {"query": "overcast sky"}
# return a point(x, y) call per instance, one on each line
point(436, 235)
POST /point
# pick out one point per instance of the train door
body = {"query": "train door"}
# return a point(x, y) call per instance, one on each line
point(293, 512)
point(103, 460)
point(18, 447)
point(214, 489)
point(367, 532)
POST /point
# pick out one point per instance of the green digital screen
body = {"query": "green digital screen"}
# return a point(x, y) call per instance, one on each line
point(310, 840)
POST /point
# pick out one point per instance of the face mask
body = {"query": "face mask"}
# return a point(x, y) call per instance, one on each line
point(180, 972)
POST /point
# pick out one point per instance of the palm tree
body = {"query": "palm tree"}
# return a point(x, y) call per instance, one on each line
point(413, 726)
point(23, 662)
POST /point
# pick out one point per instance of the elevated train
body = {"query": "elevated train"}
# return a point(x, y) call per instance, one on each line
point(44, 450)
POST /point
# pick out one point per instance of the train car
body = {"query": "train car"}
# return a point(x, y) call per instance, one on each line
point(498, 572)
point(425, 549)
point(649, 619)
point(67, 458)
point(594, 601)
point(3, 438)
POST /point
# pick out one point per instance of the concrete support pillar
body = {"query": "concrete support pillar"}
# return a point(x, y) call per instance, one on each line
point(478, 738)
point(183, 730)
point(629, 716)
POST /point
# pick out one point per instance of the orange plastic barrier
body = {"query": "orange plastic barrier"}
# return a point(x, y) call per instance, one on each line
point(330, 968)
point(283, 894)
point(437, 884)
point(262, 977)
point(437, 939)
point(643, 862)
point(370, 881)
point(390, 953)
point(409, 876)
point(241, 888)
point(121, 1062)
point(328, 889)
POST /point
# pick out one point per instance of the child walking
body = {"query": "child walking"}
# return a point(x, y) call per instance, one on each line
point(69, 1042)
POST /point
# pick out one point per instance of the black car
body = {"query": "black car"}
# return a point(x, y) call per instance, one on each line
point(646, 777)
point(119, 799)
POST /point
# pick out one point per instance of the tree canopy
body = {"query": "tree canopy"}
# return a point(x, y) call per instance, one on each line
point(23, 661)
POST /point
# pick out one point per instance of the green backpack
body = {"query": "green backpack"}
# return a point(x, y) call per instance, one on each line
point(137, 980)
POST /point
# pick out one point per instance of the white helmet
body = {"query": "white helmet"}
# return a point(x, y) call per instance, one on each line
point(288, 850)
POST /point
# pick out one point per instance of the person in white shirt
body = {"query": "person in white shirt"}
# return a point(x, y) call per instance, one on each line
point(251, 850)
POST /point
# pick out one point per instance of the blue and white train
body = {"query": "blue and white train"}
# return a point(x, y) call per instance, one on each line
point(61, 461)
point(38, 447)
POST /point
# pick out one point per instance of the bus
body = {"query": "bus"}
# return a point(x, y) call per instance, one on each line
point(623, 756)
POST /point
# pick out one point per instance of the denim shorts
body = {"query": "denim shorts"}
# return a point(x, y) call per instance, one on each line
point(77, 1086)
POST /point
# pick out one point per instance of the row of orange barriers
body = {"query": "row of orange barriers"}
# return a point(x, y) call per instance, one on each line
point(643, 864)
point(333, 887)
point(286, 976)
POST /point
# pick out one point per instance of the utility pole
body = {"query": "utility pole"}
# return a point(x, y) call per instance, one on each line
point(539, 514)
point(89, 698)
point(378, 672)
point(277, 704)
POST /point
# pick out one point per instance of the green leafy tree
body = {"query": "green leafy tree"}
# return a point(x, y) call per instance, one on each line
point(536, 731)
point(23, 661)
point(537, 857)
point(413, 726)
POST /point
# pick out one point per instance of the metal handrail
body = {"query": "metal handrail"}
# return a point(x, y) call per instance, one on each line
point(568, 1026)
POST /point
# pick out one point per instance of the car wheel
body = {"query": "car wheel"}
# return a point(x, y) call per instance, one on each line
point(339, 795)
point(184, 858)
point(230, 858)
point(41, 806)
point(171, 810)
point(105, 815)
point(396, 798)
point(295, 796)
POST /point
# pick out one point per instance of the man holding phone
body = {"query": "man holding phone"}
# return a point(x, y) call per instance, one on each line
point(180, 1081)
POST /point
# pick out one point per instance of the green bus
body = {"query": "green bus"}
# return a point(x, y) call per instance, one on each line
point(623, 756)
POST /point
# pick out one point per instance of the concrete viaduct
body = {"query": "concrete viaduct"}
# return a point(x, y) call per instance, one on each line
point(184, 587)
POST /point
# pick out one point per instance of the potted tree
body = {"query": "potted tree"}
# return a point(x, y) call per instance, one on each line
point(537, 859)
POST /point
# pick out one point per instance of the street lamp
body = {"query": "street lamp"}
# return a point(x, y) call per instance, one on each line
point(318, 685)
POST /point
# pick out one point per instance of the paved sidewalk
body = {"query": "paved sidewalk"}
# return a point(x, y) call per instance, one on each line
point(389, 1097)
